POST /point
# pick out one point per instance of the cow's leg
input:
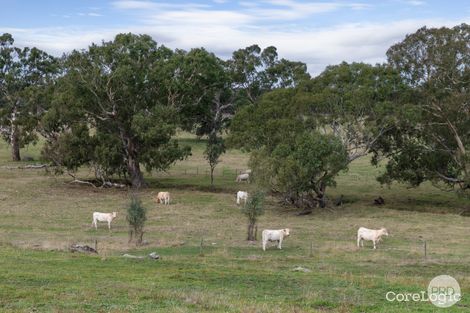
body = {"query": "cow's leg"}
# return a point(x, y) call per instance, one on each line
point(109, 225)
point(280, 243)
point(374, 244)
point(358, 241)
point(264, 244)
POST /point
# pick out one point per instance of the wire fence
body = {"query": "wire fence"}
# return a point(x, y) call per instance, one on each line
point(204, 171)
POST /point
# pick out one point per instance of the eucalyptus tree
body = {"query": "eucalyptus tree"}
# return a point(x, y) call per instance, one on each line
point(431, 140)
point(118, 107)
point(255, 72)
point(229, 85)
point(25, 74)
point(354, 102)
point(288, 154)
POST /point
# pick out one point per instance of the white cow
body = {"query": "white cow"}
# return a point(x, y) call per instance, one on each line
point(371, 235)
point(242, 195)
point(274, 235)
point(243, 177)
point(163, 197)
point(103, 217)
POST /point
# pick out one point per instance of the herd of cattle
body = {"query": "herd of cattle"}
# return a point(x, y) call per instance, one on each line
point(268, 235)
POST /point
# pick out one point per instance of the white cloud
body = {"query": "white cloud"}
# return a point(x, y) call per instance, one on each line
point(223, 31)
point(416, 2)
point(133, 4)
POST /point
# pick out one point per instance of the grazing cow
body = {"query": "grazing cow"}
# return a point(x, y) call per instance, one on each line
point(163, 197)
point(274, 235)
point(371, 235)
point(103, 217)
point(242, 195)
point(243, 177)
point(248, 171)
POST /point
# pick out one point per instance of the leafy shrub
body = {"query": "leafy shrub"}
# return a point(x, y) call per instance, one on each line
point(136, 217)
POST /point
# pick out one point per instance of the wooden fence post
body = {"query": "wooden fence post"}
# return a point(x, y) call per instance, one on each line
point(201, 247)
point(425, 246)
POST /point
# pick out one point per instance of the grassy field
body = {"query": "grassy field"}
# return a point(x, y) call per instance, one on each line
point(41, 215)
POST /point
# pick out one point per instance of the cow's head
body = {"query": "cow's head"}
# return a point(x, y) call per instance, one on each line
point(384, 231)
point(286, 231)
point(114, 214)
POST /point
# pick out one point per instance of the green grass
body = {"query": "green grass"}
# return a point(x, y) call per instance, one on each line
point(43, 214)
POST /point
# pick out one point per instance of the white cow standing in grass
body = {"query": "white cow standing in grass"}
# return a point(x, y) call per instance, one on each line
point(371, 235)
point(274, 235)
point(103, 217)
point(163, 197)
point(242, 195)
point(243, 177)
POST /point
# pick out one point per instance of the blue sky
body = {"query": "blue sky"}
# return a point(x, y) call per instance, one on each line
point(318, 33)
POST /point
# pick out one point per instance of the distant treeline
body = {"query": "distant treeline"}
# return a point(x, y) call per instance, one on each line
point(116, 106)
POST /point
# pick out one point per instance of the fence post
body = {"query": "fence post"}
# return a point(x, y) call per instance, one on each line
point(197, 170)
point(311, 249)
point(96, 245)
point(425, 246)
point(201, 253)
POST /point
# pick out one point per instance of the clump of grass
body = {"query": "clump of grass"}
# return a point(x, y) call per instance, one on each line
point(136, 217)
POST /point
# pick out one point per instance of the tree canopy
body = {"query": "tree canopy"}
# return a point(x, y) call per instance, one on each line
point(24, 76)
point(431, 140)
point(117, 108)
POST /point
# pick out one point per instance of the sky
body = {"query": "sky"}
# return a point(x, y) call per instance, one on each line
point(318, 33)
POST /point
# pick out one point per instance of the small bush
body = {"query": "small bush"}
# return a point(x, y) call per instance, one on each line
point(136, 217)
point(253, 209)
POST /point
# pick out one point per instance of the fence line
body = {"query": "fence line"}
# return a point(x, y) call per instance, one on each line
point(203, 171)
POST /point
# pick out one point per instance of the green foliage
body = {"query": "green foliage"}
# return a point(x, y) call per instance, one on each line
point(354, 102)
point(301, 168)
point(25, 75)
point(255, 72)
point(288, 154)
point(431, 139)
point(128, 96)
point(214, 149)
point(253, 208)
point(267, 123)
point(136, 217)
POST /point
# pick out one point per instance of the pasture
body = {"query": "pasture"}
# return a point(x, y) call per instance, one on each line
point(41, 215)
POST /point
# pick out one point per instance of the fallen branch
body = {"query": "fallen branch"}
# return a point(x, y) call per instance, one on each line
point(153, 256)
point(36, 166)
point(103, 185)
point(31, 166)
point(110, 184)
point(82, 248)
point(78, 181)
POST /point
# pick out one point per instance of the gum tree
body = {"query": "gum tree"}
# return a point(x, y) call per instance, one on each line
point(118, 107)
point(431, 140)
point(25, 74)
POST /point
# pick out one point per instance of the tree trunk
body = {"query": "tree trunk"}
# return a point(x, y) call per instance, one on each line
point(15, 143)
point(212, 177)
point(321, 196)
point(251, 232)
point(133, 167)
